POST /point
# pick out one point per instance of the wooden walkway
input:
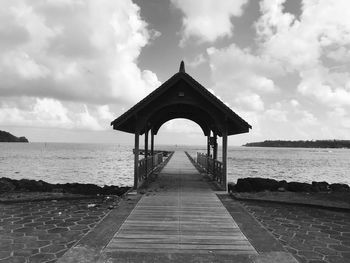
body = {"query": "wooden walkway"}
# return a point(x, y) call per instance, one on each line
point(182, 215)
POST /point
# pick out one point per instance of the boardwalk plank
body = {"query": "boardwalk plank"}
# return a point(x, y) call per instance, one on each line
point(185, 217)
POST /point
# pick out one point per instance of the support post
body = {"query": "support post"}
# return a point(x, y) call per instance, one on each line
point(136, 159)
point(215, 147)
point(208, 151)
point(224, 158)
point(152, 148)
point(146, 152)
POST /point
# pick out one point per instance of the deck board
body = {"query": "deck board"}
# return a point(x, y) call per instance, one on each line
point(186, 216)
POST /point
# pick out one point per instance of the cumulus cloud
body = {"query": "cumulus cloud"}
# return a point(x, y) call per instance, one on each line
point(74, 50)
point(71, 59)
point(198, 60)
point(250, 101)
point(241, 77)
point(294, 75)
point(52, 113)
point(183, 126)
point(208, 20)
point(304, 45)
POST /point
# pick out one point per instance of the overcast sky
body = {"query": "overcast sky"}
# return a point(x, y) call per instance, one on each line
point(69, 67)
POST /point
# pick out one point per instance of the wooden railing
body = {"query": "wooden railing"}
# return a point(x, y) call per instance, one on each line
point(212, 167)
point(147, 165)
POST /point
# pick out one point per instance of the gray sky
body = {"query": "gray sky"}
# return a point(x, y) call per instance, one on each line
point(69, 67)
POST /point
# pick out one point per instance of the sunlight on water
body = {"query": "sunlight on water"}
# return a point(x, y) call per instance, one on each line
point(112, 164)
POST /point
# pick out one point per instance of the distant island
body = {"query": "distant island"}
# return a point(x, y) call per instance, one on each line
point(8, 137)
point(302, 144)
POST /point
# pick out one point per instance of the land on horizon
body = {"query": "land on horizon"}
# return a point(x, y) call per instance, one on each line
point(8, 137)
point(301, 144)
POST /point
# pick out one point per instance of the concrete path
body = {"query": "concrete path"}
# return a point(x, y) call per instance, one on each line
point(185, 217)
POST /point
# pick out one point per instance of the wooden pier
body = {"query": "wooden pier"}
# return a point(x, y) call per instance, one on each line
point(182, 214)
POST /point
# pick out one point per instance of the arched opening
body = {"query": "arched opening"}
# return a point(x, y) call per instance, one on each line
point(181, 133)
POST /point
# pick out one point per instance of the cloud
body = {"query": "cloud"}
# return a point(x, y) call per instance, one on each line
point(208, 20)
point(183, 126)
point(306, 46)
point(250, 101)
point(241, 77)
point(198, 60)
point(83, 51)
point(288, 83)
point(52, 113)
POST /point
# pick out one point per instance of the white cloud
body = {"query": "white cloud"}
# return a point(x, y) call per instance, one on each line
point(83, 51)
point(208, 20)
point(323, 31)
point(183, 126)
point(241, 77)
point(198, 60)
point(51, 113)
point(250, 101)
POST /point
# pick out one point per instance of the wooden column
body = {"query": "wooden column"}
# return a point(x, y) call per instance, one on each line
point(215, 147)
point(136, 159)
point(152, 148)
point(224, 158)
point(146, 152)
point(208, 151)
point(208, 145)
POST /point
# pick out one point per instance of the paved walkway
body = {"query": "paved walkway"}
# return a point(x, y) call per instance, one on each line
point(310, 234)
point(185, 217)
point(43, 231)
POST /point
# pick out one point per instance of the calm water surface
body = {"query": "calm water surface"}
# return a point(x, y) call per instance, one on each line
point(113, 164)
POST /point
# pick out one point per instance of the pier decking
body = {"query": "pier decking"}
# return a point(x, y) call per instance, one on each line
point(184, 216)
point(179, 218)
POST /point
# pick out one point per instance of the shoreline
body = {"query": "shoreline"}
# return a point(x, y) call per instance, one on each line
point(316, 194)
point(35, 190)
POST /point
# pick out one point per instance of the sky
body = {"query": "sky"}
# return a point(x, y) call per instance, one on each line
point(70, 67)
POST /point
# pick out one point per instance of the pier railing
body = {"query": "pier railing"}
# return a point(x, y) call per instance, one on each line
point(213, 167)
point(148, 164)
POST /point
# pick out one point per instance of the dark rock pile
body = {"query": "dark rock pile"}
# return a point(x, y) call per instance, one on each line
point(10, 185)
point(256, 184)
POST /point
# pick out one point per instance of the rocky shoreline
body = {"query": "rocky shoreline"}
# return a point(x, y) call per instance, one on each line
point(257, 184)
point(8, 185)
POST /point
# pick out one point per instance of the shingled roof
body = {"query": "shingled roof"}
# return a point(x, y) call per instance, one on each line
point(200, 106)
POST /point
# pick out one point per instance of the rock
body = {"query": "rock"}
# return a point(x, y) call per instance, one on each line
point(282, 184)
point(299, 187)
point(339, 187)
point(243, 185)
point(263, 184)
point(231, 187)
point(29, 185)
point(320, 186)
point(256, 184)
point(6, 185)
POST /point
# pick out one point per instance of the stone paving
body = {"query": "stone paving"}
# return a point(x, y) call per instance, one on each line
point(312, 235)
point(43, 231)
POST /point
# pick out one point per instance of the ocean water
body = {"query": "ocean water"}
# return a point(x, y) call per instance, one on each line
point(112, 164)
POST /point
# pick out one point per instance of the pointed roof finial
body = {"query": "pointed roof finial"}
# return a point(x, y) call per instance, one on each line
point(182, 67)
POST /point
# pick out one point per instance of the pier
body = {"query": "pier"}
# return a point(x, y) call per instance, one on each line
point(178, 217)
point(184, 215)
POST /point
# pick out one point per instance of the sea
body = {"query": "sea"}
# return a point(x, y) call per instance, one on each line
point(112, 164)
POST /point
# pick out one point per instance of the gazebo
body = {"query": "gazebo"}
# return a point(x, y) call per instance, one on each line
point(181, 97)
